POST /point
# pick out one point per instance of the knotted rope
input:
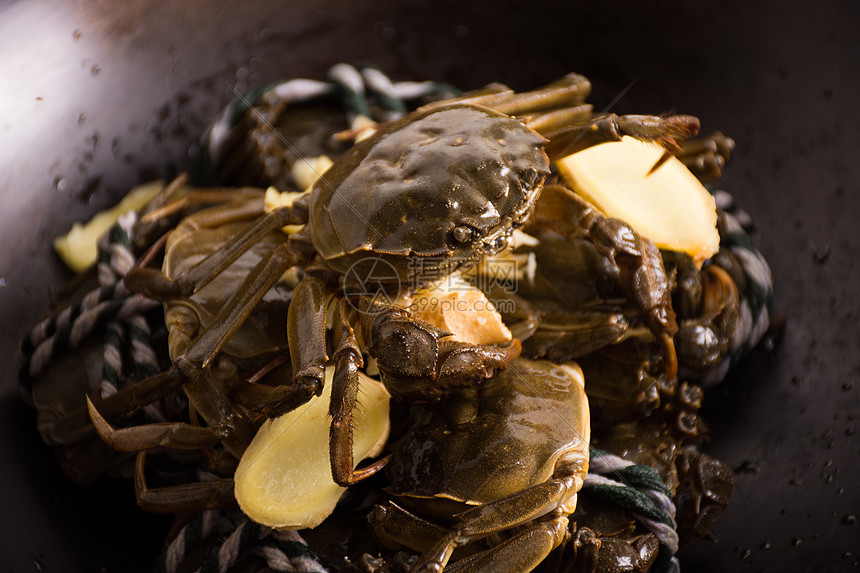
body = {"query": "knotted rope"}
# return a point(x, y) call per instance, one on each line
point(640, 490)
point(110, 308)
point(755, 286)
point(233, 537)
point(358, 90)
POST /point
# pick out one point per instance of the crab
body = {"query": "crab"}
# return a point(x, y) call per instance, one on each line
point(606, 539)
point(426, 195)
point(701, 485)
point(569, 306)
point(504, 459)
point(708, 306)
point(255, 354)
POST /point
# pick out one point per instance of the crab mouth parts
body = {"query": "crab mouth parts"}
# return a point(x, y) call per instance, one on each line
point(432, 269)
point(496, 241)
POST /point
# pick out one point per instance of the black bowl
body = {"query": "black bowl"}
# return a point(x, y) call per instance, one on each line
point(99, 96)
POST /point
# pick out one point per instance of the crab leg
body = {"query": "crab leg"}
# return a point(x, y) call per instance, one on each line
point(642, 274)
point(171, 434)
point(306, 322)
point(306, 326)
point(707, 156)
point(344, 395)
point(77, 424)
point(258, 282)
point(547, 122)
point(216, 494)
point(570, 89)
point(523, 552)
point(669, 132)
point(393, 524)
point(248, 201)
point(567, 337)
point(206, 396)
point(154, 284)
point(704, 340)
point(519, 508)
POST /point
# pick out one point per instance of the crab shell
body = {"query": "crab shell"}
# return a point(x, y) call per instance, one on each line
point(262, 334)
point(400, 193)
point(498, 439)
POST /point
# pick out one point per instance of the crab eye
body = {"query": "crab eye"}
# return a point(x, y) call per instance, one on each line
point(529, 177)
point(498, 245)
point(462, 234)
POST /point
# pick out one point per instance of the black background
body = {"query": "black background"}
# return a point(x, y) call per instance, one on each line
point(97, 96)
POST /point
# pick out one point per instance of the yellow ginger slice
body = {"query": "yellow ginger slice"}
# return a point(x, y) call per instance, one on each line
point(274, 199)
point(284, 477)
point(78, 248)
point(305, 171)
point(669, 206)
point(461, 309)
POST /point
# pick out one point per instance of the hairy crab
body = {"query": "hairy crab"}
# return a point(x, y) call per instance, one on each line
point(569, 300)
point(424, 196)
point(507, 457)
point(254, 353)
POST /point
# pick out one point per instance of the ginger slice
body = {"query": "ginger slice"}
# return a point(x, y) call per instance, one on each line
point(284, 477)
point(455, 306)
point(669, 206)
point(79, 247)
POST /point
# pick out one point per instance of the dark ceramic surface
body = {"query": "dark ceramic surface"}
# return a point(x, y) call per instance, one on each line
point(96, 96)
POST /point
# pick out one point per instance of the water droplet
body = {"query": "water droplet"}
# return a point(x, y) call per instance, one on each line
point(821, 254)
point(765, 545)
point(850, 519)
point(796, 541)
point(76, 35)
point(747, 467)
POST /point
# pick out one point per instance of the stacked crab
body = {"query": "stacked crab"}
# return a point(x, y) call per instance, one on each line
point(527, 280)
